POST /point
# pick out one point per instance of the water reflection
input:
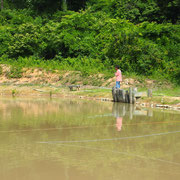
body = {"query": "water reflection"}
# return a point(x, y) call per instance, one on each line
point(121, 110)
point(100, 153)
point(119, 123)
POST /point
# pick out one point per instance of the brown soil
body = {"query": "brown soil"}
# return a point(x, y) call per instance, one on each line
point(41, 76)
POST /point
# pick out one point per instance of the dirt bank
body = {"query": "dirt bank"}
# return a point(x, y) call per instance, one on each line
point(39, 82)
point(10, 75)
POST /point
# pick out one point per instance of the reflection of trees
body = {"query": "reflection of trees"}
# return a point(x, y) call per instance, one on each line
point(34, 113)
point(104, 158)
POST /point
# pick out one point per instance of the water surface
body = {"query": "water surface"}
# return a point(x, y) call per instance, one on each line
point(82, 140)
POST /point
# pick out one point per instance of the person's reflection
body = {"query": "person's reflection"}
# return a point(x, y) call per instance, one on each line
point(119, 123)
point(119, 112)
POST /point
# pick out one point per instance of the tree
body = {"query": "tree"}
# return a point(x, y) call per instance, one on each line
point(64, 5)
point(76, 5)
point(2, 5)
point(138, 11)
point(170, 9)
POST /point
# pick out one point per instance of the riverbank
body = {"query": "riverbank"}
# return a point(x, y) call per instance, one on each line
point(85, 92)
point(40, 82)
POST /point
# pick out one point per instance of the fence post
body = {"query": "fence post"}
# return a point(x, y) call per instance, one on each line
point(123, 96)
point(130, 96)
point(149, 92)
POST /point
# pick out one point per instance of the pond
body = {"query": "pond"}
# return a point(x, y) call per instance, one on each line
point(72, 139)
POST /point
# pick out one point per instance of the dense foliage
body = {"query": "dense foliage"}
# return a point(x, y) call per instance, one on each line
point(136, 34)
point(141, 10)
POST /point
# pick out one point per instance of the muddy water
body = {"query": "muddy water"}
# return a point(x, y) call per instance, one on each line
point(63, 139)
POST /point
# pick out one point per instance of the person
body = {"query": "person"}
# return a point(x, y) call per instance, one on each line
point(118, 111)
point(118, 75)
point(119, 123)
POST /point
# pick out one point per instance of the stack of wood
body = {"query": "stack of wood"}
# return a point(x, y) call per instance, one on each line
point(124, 96)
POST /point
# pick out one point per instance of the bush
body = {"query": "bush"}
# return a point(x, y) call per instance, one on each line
point(15, 72)
point(1, 70)
point(91, 42)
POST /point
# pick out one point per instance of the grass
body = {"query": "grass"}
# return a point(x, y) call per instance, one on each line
point(49, 90)
point(52, 65)
point(95, 93)
point(160, 100)
point(1, 70)
point(175, 92)
point(14, 92)
point(15, 72)
point(163, 91)
point(76, 77)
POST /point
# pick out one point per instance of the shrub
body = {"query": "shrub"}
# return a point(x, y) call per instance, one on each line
point(15, 72)
point(91, 42)
point(1, 70)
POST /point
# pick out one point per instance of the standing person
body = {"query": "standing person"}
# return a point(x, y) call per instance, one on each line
point(118, 75)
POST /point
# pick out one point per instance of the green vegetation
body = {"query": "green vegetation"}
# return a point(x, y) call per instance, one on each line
point(168, 92)
point(1, 70)
point(14, 92)
point(92, 36)
point(164, 100)
point(15, 72)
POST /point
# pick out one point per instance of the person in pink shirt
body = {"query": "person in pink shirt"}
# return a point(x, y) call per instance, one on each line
point(119, 123)
point(118, 75)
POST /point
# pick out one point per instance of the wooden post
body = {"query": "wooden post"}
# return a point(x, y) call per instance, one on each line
point(114, 94)
point(149, 93)
point(127, 97)
point(134, 94)
point(123, 96)
point(133, 98)
point(130, 96)
point(118, 95)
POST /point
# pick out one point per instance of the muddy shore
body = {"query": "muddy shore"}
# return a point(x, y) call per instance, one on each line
point(85, 92)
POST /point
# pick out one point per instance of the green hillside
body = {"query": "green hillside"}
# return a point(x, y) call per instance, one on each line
point(91, 36)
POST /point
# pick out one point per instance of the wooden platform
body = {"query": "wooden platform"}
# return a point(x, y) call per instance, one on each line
point(125, 96)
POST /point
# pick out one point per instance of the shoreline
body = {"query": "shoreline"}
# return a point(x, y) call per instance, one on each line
point(88, 93)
